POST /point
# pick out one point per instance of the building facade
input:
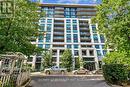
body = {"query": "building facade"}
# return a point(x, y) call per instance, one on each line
point(70, 27)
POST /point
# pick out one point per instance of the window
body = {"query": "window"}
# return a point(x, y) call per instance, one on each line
point(48, 37)
point(94, 29)
point(103, 46)
point(76, 46)
point(40, 45)
point(76, 53)
point(48, 27)
point(102, 38)
point(75, 38)
point(68, 46)
point(98, 53)
point(47, 46)
point(68, 28)
point(104, 52)
point(68, 38)
point(74, 21)
point(40, 38)
point(95, 37)
point(68, 21)
point(49, 20)
point(97, 46)
point(42, 27)
point(74, 28)
point(91, 52)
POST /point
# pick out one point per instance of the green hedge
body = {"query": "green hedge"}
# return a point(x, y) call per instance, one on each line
point(115, 73)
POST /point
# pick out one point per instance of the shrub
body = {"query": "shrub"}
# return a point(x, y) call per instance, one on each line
point(115, 73)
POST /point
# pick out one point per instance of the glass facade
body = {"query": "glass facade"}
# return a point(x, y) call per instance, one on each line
point(68, 38)
point(75, 38)
point(95, 37)
point(70, 13)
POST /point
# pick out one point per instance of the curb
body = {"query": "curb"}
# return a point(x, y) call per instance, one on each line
point(26, 83)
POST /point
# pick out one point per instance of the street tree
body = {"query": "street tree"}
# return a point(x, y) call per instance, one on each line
point(67, 59)
point(47, 60)
point(113, 18)
point(16, 32)
point(77, 62)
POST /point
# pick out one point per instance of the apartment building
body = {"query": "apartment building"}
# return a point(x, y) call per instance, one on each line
point(69, 27)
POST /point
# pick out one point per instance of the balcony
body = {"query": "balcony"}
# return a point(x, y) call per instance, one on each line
point(58, 33)
point(84, 29)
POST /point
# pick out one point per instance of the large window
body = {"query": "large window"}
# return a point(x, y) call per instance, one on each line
point(95, 37)
point(75, 38)
point(68, 28)
point(48, 37)
point(42, 27)
point(70, 12)
point(48, 27)
point(68, 46)
point(102, 38)
point(97, 46)
point(49, 20)
point(76, 46)
point(40, 38)
point(40, 45)
point(76, 52)
point(94, 29)
point(75, 29)
point(98, 53)
point(68, 38)
point(47, 46)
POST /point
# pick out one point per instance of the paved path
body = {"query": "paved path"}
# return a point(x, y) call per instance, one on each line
point(67, 81)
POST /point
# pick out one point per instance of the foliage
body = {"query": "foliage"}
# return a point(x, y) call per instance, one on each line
point(47, 60)
point(115, 73)
point(77, 63)
point(116, 58)
point(67, 59)
point(16, 32)
point(113, 18)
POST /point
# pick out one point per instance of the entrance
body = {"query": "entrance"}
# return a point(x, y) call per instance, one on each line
point(90, 66)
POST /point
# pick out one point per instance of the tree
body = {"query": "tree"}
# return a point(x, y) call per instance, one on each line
point(47, 60)
point(67, 59)
point(113, 18)
point(77, 62)
point(16, 32)
point(116, 58)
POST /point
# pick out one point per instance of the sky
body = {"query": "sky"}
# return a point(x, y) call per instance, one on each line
point(71, 1)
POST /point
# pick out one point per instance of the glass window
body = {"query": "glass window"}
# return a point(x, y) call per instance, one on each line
point(68, 21)
point(76, 46)
point(42, 27)
point(68, 38)
point(103, 46)
point(40, 38)
point(75, 38)
point(48, 27)
point(97, 46)
point(47, 46)
point(68, 28)
point(102, 39)
point(48, 37)
point(49, 20)
point(74, 21)
point(76, 52)
point(68, 46)
point(104, 52)
point(95, 37)
point(98, 53)
point(40, 45)
point(94, 29)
